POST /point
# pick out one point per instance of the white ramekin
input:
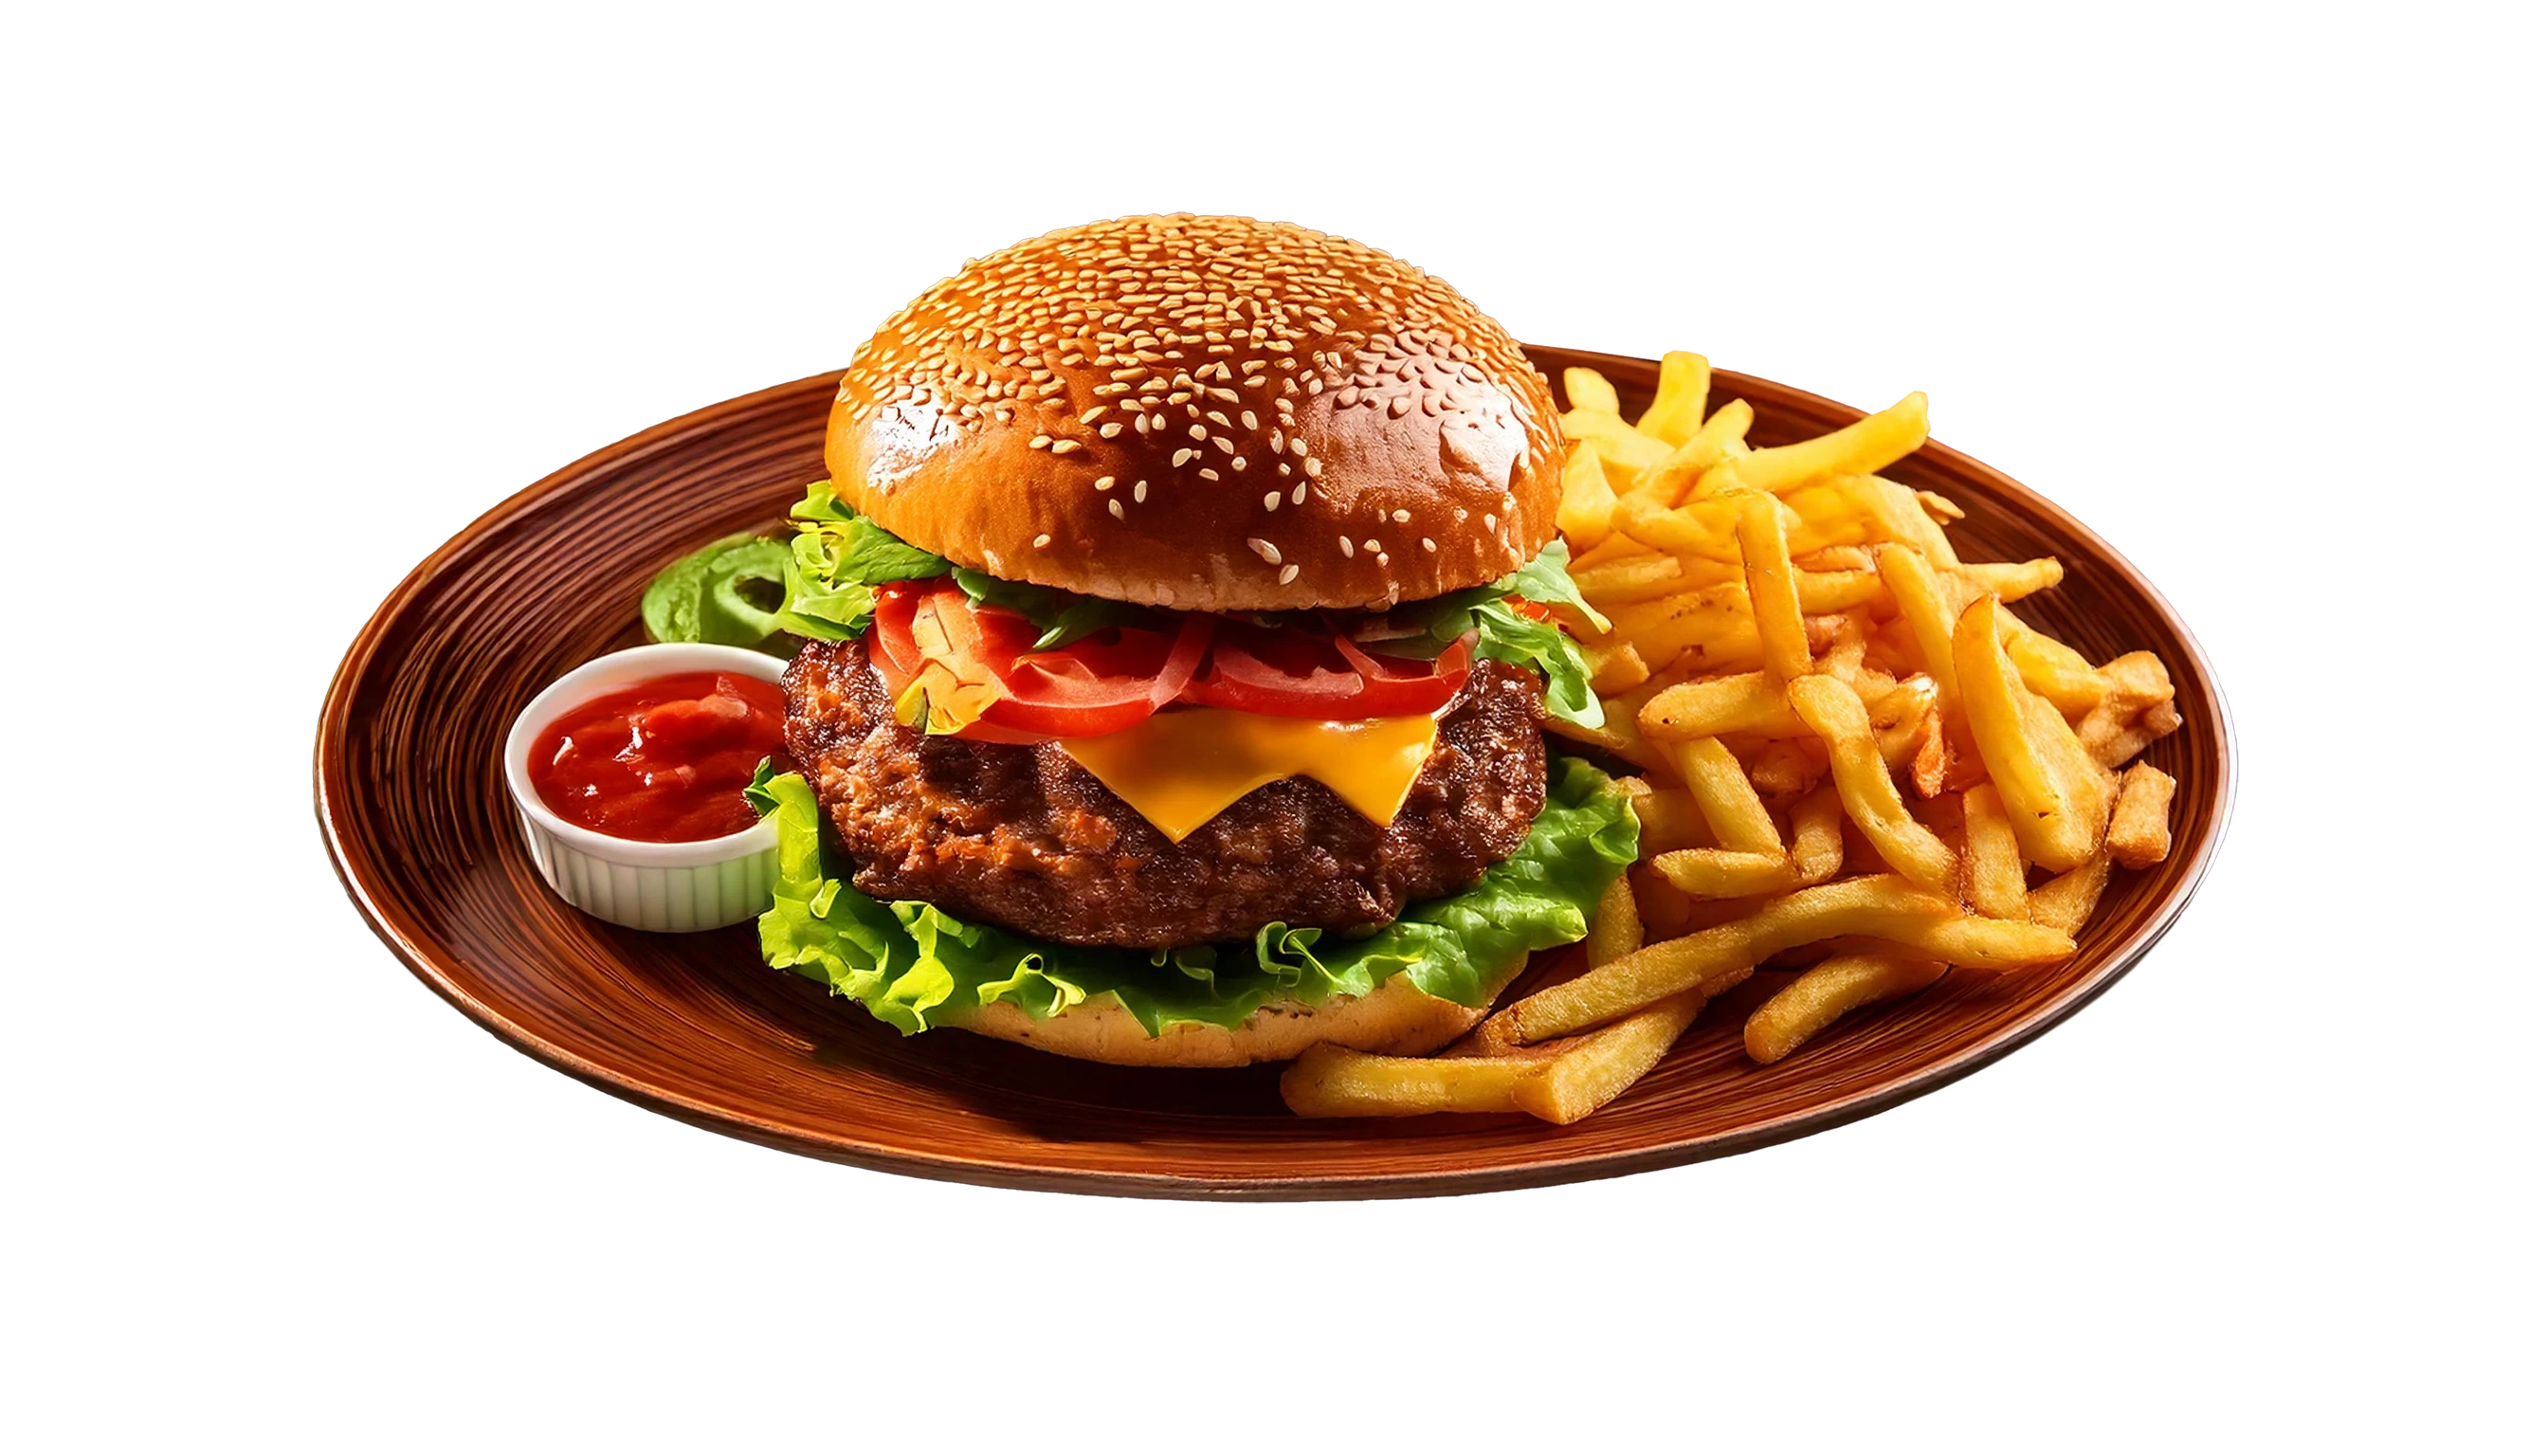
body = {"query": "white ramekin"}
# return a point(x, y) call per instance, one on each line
point(700, 886)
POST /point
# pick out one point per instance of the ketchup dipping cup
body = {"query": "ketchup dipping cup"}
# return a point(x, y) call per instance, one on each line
point(701, 884)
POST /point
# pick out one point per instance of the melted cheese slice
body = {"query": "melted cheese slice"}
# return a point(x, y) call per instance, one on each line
point(1177, 770)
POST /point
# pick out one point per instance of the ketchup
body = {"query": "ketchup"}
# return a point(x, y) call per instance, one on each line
point(665, 761)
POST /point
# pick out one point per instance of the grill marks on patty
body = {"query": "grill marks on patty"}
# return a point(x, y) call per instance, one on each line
point(1021, 836)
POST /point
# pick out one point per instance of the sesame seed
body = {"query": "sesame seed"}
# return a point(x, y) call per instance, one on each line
point(1043, 540)
point(1371, 545)
point(1238, 462)
point(1247, 419)
point(1209, 475)
point(1311, 467)
point(1180, 458)
point(1288, 572)
point(1384, 558)
point(1115, 509)
point(1039, 442)
point(1106, 483)
point(1300, 493)
point(1089, 416)
point(1140, 492)
point(1400, 516)
point(1265, 549)
point(1399, 406)
point(1491, 522)
point(1273, 498)
point(1110, 429)
point(1300, 446)
point(1345, 544)
point(1065, 447)
point(1428, 543)
point(1197, 430)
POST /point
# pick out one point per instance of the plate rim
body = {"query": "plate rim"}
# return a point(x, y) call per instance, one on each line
point(995, 1172)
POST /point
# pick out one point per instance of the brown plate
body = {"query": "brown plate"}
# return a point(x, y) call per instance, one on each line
point(412, 806)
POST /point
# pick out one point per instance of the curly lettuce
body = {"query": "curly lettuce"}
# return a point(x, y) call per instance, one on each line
point(914, 967)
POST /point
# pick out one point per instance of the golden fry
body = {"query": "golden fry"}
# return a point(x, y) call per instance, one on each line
point(1616, 668)
point(1668, 818)
point(1816, 821)
point(1594, 1069)
point(1615, 931)
point(2137, 681)
point(2137, 837)
point(1894, 513)
point(1866, 785)
point(1680, 399)
point(1724, 874)
point(1588, 389)
point(2050, 667)
point(1332, 1082)
point(2064, 902)
point(2010, 579)
point(1788, 767)
point(1644, 577)
point(1677, 530)
point(1860, 447)
point(1939, 509)
point(2052, 828)
point(1922, 601)
point(1734, 812)
point(1995, 871)
point(1830, 990)
point(1714, 708)
point(2115, 742)
point(1772, 582)
point(1585, 498)
point(1614, 547)
point(1888, 907)
point(1616, 737)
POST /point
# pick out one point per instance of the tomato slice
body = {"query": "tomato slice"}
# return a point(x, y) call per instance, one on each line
point(1104, 683)
point(1289, 673)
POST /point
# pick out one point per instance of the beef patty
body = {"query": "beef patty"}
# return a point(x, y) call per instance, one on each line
point(1021, 836)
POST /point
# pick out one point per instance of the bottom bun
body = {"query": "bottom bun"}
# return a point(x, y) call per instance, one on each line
point(1396, 1018)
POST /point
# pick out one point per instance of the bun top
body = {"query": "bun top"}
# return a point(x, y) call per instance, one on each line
point(1210, 414)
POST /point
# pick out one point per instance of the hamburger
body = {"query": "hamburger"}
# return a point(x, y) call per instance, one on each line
point(1180, 620)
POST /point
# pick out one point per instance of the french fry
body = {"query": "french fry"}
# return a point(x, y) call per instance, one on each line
point(1675, 530)
point(1680, 399)
point(1828, 991)
point(1616, 666)
point(1788, 767)
point(1718, 441)
point(2052, 668)
point(2064, 902)
point(1939, 509)
point(1995, 871)
point(1332, 1082)
point(1771, 582)
point(1661, 908)
point(1585, 498)
point(1591, 1071)
point(1922, 601)
point(1644, 577)
point(1588, 389)
point(1616, 930)
point(1735, 815)
point(1616, 737)
point(2052, 828)
point(1888, 907)
point(2137, 681)
point(1860, 447)
point(1836, 559)
point(1668, 818)
point(2010, 579)
point(2116, 741)
point(1724, 874)
point(1716, 708)
point(2137, 837)
point(1867, 790)
point(1816, 820)
point(1822, 593)
point(1894, 513)
point(1614, 547)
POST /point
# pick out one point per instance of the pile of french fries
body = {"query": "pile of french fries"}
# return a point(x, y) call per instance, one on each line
point(1855, 760)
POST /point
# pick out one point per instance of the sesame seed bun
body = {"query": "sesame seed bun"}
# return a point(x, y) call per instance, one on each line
point(1395, 1019)
point(1204, 413)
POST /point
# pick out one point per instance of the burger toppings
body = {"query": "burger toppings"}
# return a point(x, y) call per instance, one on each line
point(1179, 770)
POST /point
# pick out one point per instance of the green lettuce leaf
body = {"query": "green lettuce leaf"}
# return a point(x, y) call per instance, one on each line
point(910, 964)
point(699, 598)
point(837, 560)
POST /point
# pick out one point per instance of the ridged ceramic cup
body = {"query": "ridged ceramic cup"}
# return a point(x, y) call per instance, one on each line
point(705, 884)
